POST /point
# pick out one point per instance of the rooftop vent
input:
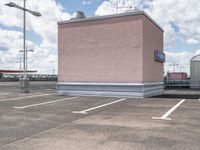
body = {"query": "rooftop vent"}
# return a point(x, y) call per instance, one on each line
point(78, 15)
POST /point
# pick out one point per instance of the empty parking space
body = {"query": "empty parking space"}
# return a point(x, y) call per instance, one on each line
point(43, 120)
point(45, 103)
point(165, 116)
point(25, 97)
point(97, 107)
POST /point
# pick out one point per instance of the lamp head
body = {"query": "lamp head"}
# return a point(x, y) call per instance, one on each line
point(11, 4)
point(37, 14)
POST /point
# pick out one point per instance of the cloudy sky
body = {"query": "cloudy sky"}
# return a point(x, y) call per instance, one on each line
point(179, 18)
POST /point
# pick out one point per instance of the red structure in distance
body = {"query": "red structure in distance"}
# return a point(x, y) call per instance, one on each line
point(16, 71)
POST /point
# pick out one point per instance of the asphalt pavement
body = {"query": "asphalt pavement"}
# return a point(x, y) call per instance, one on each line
point(42, 120)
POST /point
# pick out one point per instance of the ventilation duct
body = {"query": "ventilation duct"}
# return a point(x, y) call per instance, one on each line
point(78, 15)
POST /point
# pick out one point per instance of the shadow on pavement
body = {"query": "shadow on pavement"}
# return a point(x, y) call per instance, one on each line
point(181, 96)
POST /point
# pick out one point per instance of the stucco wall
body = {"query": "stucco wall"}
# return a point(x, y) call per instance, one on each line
point(108, 50)
point(153, 40)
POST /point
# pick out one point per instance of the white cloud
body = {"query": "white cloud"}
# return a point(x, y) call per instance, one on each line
point(11, 43)
point(110, 7)
point(44, 58)
point(192, 41)
point(185, 14)
point(46, 26)
point(87, 2)
point(9, 16)
point(106, 8)
point(169, 35)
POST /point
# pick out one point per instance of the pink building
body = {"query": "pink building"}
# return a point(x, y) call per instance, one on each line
point(176, 76)
point(114, 55)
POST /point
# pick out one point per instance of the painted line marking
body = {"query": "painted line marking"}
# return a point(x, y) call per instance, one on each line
point(45, 103)
point(93, 108)
point(171, 91)
point(199, 99)
point(4, 93)
point(32, 96)
point(164, 117)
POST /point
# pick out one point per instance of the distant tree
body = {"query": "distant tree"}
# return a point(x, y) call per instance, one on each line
point(1, 75)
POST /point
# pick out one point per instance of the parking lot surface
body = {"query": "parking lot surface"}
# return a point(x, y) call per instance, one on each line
point(42, 120)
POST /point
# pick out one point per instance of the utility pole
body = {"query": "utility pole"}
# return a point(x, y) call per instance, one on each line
point(174, 65)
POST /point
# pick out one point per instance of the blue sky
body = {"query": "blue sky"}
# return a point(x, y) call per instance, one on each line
point(74, 5)
point(180, 20)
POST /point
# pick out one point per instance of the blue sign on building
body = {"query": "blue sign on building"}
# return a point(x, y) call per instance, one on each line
point(159, 56)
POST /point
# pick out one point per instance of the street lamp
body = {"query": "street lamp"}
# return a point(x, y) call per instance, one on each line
point(11, 4)
point(24, 82)
point(20, 64)
point(27, 58)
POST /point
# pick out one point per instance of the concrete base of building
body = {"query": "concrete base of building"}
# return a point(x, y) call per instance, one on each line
point(194, 84)
point(147, 89)
point(195, 87)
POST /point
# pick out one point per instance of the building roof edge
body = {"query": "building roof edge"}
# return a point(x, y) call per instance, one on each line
point(112, 16)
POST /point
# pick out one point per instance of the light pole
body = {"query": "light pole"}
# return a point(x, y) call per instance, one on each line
point(24, 82)
point(20, 64)
point(27, 58)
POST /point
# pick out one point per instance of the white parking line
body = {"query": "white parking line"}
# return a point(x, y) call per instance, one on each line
point(171, 91)
point(164, 117)
point(32, 96)
point(199, 99)
point(87, 110)
point(45, 103)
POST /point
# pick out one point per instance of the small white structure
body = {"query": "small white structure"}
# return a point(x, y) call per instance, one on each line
point(195, 72)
